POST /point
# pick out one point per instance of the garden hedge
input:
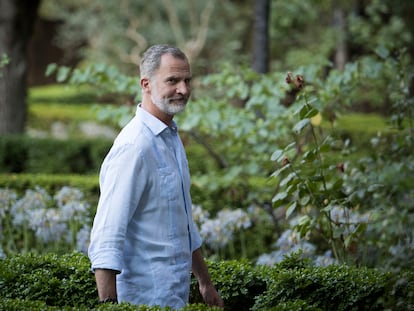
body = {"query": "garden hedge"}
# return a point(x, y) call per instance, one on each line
point(23, 154)
point(52, 282)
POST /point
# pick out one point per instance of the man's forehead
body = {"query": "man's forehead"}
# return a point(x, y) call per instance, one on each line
point(171, 62)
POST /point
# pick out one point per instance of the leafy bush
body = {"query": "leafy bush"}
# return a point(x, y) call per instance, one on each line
point(237, 281)
point(335, 287)
point(402, 293)
point(24, 304)
point(88, 184)
point(57, 281)
point(20, 154)
point(51, 282)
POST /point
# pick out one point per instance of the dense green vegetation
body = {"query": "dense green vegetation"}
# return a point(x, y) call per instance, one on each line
point(51, 282)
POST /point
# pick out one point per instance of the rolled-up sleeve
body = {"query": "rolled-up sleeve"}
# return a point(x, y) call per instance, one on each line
point(122, 184)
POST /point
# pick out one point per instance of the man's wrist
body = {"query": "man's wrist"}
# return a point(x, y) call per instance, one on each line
point(109, 300)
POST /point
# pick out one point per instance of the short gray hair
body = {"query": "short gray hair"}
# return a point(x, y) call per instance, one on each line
point(151, 59)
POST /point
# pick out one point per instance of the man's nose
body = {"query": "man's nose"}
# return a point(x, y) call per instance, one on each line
point(183, 88)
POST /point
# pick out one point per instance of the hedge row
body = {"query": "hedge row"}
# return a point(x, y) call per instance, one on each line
point(51, 282)
point(22, 154)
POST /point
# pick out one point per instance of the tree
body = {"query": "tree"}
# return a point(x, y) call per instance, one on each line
point(261, 36)
point(17, 18)
point(117, 32)
point(339, 24)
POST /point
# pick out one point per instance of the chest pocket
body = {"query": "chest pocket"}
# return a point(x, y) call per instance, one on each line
point(170, 187)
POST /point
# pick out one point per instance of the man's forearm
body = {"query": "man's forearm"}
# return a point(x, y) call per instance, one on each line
point(200, 269)
point(206, 287)
point(106, 283)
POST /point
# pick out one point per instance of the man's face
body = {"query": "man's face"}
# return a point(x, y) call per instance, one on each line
point(170, 85)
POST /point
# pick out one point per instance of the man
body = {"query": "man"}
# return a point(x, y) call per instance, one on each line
point(144, 242)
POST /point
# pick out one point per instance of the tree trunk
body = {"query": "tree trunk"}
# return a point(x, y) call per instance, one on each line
point(341, 50)
point(261, 36)
point(16, 26)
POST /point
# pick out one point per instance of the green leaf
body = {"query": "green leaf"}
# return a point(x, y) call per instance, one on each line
point(63, 73)
point(310, 155)
point(361, 228)
point(307, 112)
point(382, 52)
point(337, 185)
point(279, 197)
point(324, 148)
point(291, 209)
point(374, 187)
point(277, 155)
point(287, 179)
point(348, 240)
point(301, 125)
point(316, 178)
point(51, 68)
point(279, 171)
point(290, 146)
point(304, 200)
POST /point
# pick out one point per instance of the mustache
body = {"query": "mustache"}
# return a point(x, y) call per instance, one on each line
point(178, 98)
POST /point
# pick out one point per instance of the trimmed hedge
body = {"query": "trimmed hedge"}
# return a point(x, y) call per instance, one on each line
point(46, 157)
point(22, 154)
point(88, 184)
point(51, 282)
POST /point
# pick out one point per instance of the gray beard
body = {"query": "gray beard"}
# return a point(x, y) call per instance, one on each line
point(167, 107)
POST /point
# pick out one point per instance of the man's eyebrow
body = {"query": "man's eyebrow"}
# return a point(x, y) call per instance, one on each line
point(174, 77)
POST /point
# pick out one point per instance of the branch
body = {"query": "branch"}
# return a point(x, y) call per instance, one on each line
point(221, 162)
point(133, 34)
point(174, 22)
point(195, 46)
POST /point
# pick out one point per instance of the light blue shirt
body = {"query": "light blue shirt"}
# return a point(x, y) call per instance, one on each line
point(143, 226)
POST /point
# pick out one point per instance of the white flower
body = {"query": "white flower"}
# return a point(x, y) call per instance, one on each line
point(83, 238)
point(7, 199)
point(218, 232)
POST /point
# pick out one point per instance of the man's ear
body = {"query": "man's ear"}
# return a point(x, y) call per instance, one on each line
point(145, 84)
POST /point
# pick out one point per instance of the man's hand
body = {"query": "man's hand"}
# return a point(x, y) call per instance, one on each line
point(207, 290)
point(106, 283)
point(211, 296)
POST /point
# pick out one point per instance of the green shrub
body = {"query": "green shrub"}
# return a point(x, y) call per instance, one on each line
point(57, 281)
point(335, 287)
point(88, 184)
point(402, 294)
point(294, 305)
point(51, 282)
point(237, 281)
point(24, 304)
point(22, 154)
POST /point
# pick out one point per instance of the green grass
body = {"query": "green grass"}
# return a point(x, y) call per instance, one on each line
point(367, 123)
point(58, 93)
point(56, 111)
point(56, 102)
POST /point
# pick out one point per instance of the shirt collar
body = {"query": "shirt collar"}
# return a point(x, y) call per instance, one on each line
point(154, 124)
